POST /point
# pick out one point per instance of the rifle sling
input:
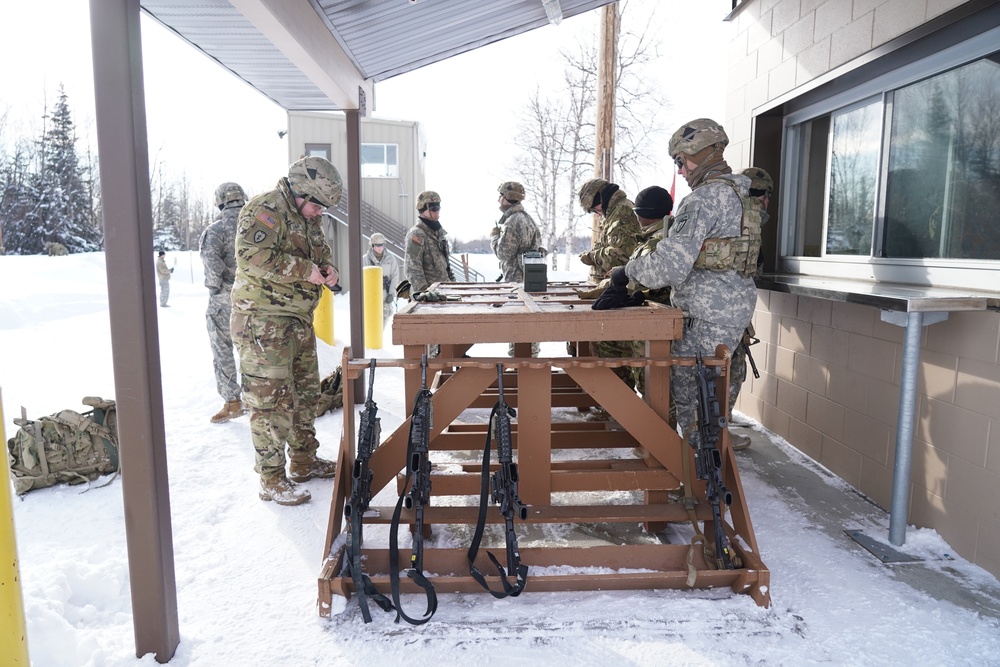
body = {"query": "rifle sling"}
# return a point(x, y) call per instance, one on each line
point(511, 590)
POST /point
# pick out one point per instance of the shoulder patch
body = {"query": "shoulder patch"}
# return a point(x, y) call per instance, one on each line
point(266, 218)
point(417, 238)
point(259, 236)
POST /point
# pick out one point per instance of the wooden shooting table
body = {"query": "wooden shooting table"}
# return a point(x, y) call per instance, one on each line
point(636, 451)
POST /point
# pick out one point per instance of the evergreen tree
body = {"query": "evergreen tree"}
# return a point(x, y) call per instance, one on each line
point(23, 232)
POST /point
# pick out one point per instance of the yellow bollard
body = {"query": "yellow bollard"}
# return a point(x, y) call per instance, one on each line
point(373, 307)
point(323, 317)
point(13, 632)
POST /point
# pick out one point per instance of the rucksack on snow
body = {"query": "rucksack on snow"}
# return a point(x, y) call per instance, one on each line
point(67, 447)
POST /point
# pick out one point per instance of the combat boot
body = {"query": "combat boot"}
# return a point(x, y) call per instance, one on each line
point(231, 410)
point(279, 489)
point(303, 467)
point(738, 441)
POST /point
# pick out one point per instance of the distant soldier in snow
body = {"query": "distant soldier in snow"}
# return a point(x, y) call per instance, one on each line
point(163, 273)
point(377, 256)
point(426, 254)
point(55, 249)
point(515, 233)
point(218, 254)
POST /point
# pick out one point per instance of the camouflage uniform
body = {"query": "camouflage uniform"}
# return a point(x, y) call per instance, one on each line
point(218, 254)
point(426, 258)
point(717, 304)
point(163, 273)
point(648, 239)
point(390, 278)
point(273, 304)
point(515, 234)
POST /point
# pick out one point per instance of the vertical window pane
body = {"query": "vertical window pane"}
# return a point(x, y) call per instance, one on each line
point(853, 172)
point(943, 190)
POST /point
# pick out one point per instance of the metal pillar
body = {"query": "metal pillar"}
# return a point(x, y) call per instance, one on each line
point(128, 231)
point(354, 239)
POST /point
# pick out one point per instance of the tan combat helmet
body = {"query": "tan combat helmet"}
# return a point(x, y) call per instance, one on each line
point(697, 135)
point(589, 191)
point(229, 195)
point(377, 239)
point(316, 179)
point(426, 198)
point(511, 191)
point(760, 181)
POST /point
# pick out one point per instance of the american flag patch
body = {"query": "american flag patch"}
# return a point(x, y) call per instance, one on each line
point(267, 219)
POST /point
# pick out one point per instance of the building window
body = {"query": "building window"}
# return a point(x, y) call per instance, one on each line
point(318, 150)
point(907, 171)
point(379, 160)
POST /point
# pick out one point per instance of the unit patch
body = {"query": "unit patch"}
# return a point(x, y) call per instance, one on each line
point(259, 236)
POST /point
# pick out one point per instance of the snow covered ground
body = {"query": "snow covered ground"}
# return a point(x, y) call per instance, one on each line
point(246, 570)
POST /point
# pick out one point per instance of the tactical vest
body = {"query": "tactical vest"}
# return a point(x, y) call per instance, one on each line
point(739, 253)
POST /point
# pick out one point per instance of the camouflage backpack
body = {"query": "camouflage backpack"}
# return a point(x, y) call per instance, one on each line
point(67, 447)
point(331, 392)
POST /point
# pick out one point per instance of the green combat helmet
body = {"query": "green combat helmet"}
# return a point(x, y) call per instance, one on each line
point(589, 191)
point(316, 179)
point(511, 191)
point(426, 198)
point(697, 135)
point(760, 181)
point(229, 195)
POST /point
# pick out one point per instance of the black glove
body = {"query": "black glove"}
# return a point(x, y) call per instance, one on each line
point(617, 296)
point(385, 283)
point(214, 291)
point(171, 270)
point(619, 277)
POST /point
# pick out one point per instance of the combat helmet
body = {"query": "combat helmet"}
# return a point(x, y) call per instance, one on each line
point(427, 197)
point(589, 191)
point(697, 135)
point(760, 181)
point(511, 191)
point(316, 179)
point(229, 195)
point(377, 239)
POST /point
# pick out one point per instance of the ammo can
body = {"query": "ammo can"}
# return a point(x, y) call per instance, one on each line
point(535, 272)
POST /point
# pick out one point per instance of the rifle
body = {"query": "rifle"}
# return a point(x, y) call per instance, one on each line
point(418, 470)
point(503, 488)
point(708, 460)
point(369, 435)
point(748, 340)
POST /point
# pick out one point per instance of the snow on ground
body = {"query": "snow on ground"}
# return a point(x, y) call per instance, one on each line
point(246, 570)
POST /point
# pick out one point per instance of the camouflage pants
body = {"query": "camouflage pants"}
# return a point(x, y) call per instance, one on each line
point(164, 291)
point(388, 308)
point(609, 349)
point(737, 376)
point(217, 317)
point(699, 336)
point(280, 373)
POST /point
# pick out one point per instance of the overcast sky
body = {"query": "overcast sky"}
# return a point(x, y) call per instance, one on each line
point(209, 125)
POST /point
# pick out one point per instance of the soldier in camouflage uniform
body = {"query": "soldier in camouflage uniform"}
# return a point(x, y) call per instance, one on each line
point(377, 256)
point(708, 257)
point(761, 187)
point(618, 238)
point(282, 264)
point(163, 274)
point(218, 254)
point(426, 257)
point(515, 233)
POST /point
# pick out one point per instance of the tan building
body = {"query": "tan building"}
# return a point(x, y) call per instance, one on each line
point(880, 122)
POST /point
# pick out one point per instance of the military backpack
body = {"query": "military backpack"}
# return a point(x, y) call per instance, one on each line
point(67, 447)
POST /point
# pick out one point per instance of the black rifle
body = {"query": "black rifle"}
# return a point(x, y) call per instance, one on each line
point(708, 459)
point(503, 488)
point(369, 435)
point(746, 342)
point(418, 470)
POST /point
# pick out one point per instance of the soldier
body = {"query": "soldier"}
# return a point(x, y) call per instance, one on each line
point(618, 238)
point(282, 264)
point(619, 228)
point(163, 273)
point(377, 256)
point(515, 233)
point(218, 253)
point(426, 256)
point(708, 257)
point(761, 187)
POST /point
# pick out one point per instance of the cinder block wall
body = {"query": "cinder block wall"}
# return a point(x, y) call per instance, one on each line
point(830, 370)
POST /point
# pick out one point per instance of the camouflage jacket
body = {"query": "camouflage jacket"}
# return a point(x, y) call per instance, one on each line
point(218, 250)
point(619, 236)
point(649, 237)
point(390, 271)
point(426, 260)
point(276, 249)
point(712, 210)
point(162, 270)
point(518, 234)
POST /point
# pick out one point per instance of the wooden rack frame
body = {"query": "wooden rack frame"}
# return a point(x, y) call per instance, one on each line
point(504, 313)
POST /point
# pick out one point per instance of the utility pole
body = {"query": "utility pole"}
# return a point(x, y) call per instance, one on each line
point(607, 68)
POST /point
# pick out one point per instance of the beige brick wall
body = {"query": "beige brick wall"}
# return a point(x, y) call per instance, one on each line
point(829, 384)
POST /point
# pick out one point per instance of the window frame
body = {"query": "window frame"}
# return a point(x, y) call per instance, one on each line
point(385, 162)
